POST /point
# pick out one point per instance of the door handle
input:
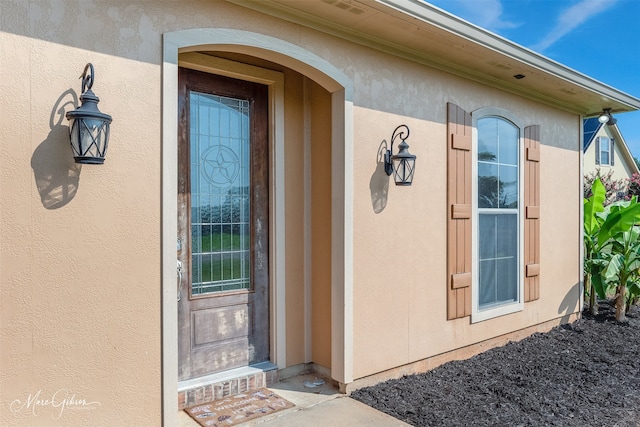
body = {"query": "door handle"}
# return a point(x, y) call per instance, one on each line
point(179, 270)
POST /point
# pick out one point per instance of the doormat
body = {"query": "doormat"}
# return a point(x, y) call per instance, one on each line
point(238, 409)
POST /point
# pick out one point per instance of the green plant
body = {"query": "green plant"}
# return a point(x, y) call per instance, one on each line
point(621, 250)
point(593, 205)
point(612, 248)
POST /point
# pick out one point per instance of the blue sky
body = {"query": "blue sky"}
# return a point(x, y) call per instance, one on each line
point(599, 38)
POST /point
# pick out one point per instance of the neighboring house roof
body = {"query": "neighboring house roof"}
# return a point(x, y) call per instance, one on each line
point(421, 32)
point(591, 127)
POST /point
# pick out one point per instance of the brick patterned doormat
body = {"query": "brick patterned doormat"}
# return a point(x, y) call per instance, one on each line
point(237, 409)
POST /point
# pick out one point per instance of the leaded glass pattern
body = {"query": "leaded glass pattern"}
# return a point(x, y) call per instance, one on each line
point(220, 193)
point(498, 197)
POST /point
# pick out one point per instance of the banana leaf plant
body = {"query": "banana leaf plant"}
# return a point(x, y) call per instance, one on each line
point(612, 249)
point(622, 261)
point(593, 206)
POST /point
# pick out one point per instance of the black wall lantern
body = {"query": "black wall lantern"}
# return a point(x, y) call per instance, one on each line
point(89, 128)
point(402, 164)
point(606, 117)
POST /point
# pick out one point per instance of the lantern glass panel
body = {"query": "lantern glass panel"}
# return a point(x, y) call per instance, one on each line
point(75, 137)
point(91, 136)
point(403, 170)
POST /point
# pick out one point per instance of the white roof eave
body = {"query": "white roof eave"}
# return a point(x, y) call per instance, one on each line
point(437, 17)
point(553, 83)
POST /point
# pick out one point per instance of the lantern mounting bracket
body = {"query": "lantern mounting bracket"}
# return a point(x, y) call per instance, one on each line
point(87, 79)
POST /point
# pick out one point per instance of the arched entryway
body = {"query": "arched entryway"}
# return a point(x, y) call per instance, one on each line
point(238, 54)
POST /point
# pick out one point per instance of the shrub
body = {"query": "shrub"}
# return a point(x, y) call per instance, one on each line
point(634, 185)
point(615, 189)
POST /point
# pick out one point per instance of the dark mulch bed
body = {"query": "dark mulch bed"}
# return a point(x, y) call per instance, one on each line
point(583, 374)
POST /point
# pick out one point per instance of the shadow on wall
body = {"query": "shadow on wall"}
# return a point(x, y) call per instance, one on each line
point(569, 304)
point(56, 173)
point(379, 182)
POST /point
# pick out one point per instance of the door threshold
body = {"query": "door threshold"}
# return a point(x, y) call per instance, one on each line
point(227, 383)
point(226, 375)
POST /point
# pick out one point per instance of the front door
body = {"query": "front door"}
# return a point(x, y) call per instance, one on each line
point(223, 233)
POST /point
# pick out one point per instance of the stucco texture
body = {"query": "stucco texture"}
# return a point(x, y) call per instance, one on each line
point(80, 265)
point(81, 303)
point(399, 250)
point(80, 261)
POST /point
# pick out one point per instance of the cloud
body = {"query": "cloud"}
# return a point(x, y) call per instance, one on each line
point(484, 13)
point(572, 18)
point(488, 14)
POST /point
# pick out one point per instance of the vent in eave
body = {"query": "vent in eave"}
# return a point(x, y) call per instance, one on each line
point(345, 6)
point(499, 65)
point(568, 91)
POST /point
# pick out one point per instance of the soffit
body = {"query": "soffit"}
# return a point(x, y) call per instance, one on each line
point(423, 33)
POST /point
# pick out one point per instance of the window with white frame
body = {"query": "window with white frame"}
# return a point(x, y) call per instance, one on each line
point(497, 235)
point(604, 151)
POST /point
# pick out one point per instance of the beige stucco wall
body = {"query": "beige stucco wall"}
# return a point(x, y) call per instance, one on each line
point(308, 213)
point(320, 153)
point(80, 261)
point(80, 265)
point(80, 246)
point(295, 217)
point(400, 259)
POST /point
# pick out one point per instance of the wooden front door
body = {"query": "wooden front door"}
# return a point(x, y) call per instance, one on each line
point(223, 233)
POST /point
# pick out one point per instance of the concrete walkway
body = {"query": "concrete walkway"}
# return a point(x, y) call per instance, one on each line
point(315, 406)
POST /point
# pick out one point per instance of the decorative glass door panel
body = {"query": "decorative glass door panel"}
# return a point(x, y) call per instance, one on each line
point(220, 193)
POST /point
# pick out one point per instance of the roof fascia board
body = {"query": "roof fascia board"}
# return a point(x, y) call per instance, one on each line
point(439, 18)
point(326, 26)
point(624, 148)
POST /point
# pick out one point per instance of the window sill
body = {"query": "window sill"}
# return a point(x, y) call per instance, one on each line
point(490, 313)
